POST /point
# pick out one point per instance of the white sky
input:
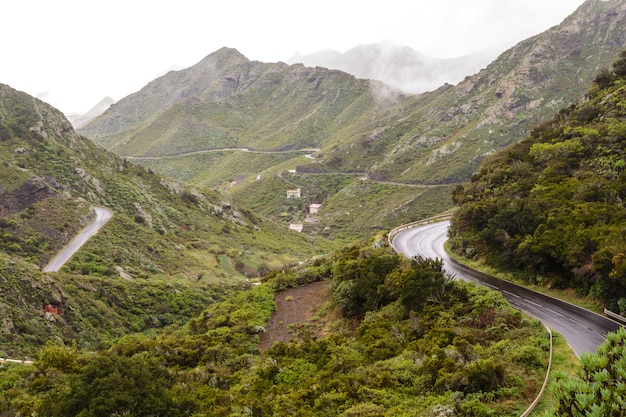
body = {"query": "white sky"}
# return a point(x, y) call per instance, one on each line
point(73, 53)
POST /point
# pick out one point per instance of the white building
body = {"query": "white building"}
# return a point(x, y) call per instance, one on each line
point(314, 208)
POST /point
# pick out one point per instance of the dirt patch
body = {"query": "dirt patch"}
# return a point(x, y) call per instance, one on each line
point(296, 311)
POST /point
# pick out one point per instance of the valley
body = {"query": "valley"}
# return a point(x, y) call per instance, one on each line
point(243, 260)
point(437, 138)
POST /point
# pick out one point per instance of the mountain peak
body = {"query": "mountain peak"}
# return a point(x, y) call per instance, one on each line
point(38, 120)
point(223, 55)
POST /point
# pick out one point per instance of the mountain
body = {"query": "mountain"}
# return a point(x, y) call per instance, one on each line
point(225, 100)
point(169, 249)
point(398, 66)
point(442, 136)
point(79, 120)
point(334, 129)
point(240, 126)
point(552, 205)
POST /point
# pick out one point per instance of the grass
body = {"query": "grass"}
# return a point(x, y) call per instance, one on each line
point(564, 361)
point(226, 266)
point(225, 166)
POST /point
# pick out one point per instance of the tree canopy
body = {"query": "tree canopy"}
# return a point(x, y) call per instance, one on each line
point(409, 342)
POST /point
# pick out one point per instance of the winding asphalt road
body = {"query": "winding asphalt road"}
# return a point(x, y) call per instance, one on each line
point(584, 330)
point(102, 216)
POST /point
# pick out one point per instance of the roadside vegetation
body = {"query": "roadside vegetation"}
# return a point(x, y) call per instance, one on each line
point(552, 205)
point(414, 342)
point(597, 388)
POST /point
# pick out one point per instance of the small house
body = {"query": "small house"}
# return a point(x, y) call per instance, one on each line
point(296, 226)
point(314, 208)
point(294, 193)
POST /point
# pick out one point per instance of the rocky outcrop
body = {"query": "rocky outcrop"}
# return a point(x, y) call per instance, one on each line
point(32, 191)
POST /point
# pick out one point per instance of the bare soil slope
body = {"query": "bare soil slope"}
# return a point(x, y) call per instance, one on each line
point(295, 308)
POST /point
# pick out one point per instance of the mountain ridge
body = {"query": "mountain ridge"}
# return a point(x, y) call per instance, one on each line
point(524, 82)
point(360, 126)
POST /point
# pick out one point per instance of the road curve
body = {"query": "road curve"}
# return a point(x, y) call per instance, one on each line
point(584, 330)
point(102, 216)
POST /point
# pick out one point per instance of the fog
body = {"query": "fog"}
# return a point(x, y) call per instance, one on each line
point(73, 53)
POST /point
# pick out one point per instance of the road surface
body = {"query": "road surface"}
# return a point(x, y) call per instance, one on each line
point(247, 150)
point(102, 216)
point(584, 330)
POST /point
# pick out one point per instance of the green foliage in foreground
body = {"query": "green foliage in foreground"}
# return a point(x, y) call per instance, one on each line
point(553, 204)
point(599, 389)
point(426, 346)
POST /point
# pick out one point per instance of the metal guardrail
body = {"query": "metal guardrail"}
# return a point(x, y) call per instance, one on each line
point(615, 316)
point(18, 361)
point(434, 219)
point(545, 381)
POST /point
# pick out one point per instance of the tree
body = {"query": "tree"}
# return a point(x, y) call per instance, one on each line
point(359, 279)
point(423, 282)
point(109, 384)
point(60, 357)
point(600, 387)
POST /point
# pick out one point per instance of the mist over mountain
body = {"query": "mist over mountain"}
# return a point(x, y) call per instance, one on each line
point(194, 123)
point(226, 100)
point(79, 120)
point(398, 66)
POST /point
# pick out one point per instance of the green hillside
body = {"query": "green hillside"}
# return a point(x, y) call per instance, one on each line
point(226, 102)
point(169, 249)
point(553, 204)
point(403, 340)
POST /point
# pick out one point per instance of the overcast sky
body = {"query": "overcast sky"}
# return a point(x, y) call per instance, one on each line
point(72, 53)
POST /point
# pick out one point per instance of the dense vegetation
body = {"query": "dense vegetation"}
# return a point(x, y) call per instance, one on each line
point(413, 342)
point(92, 311)
point(553, 204)
point(598, 390)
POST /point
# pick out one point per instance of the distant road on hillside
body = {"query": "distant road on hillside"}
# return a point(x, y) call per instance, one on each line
point(584, 330)
point(102, 216)
point(248, 150)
